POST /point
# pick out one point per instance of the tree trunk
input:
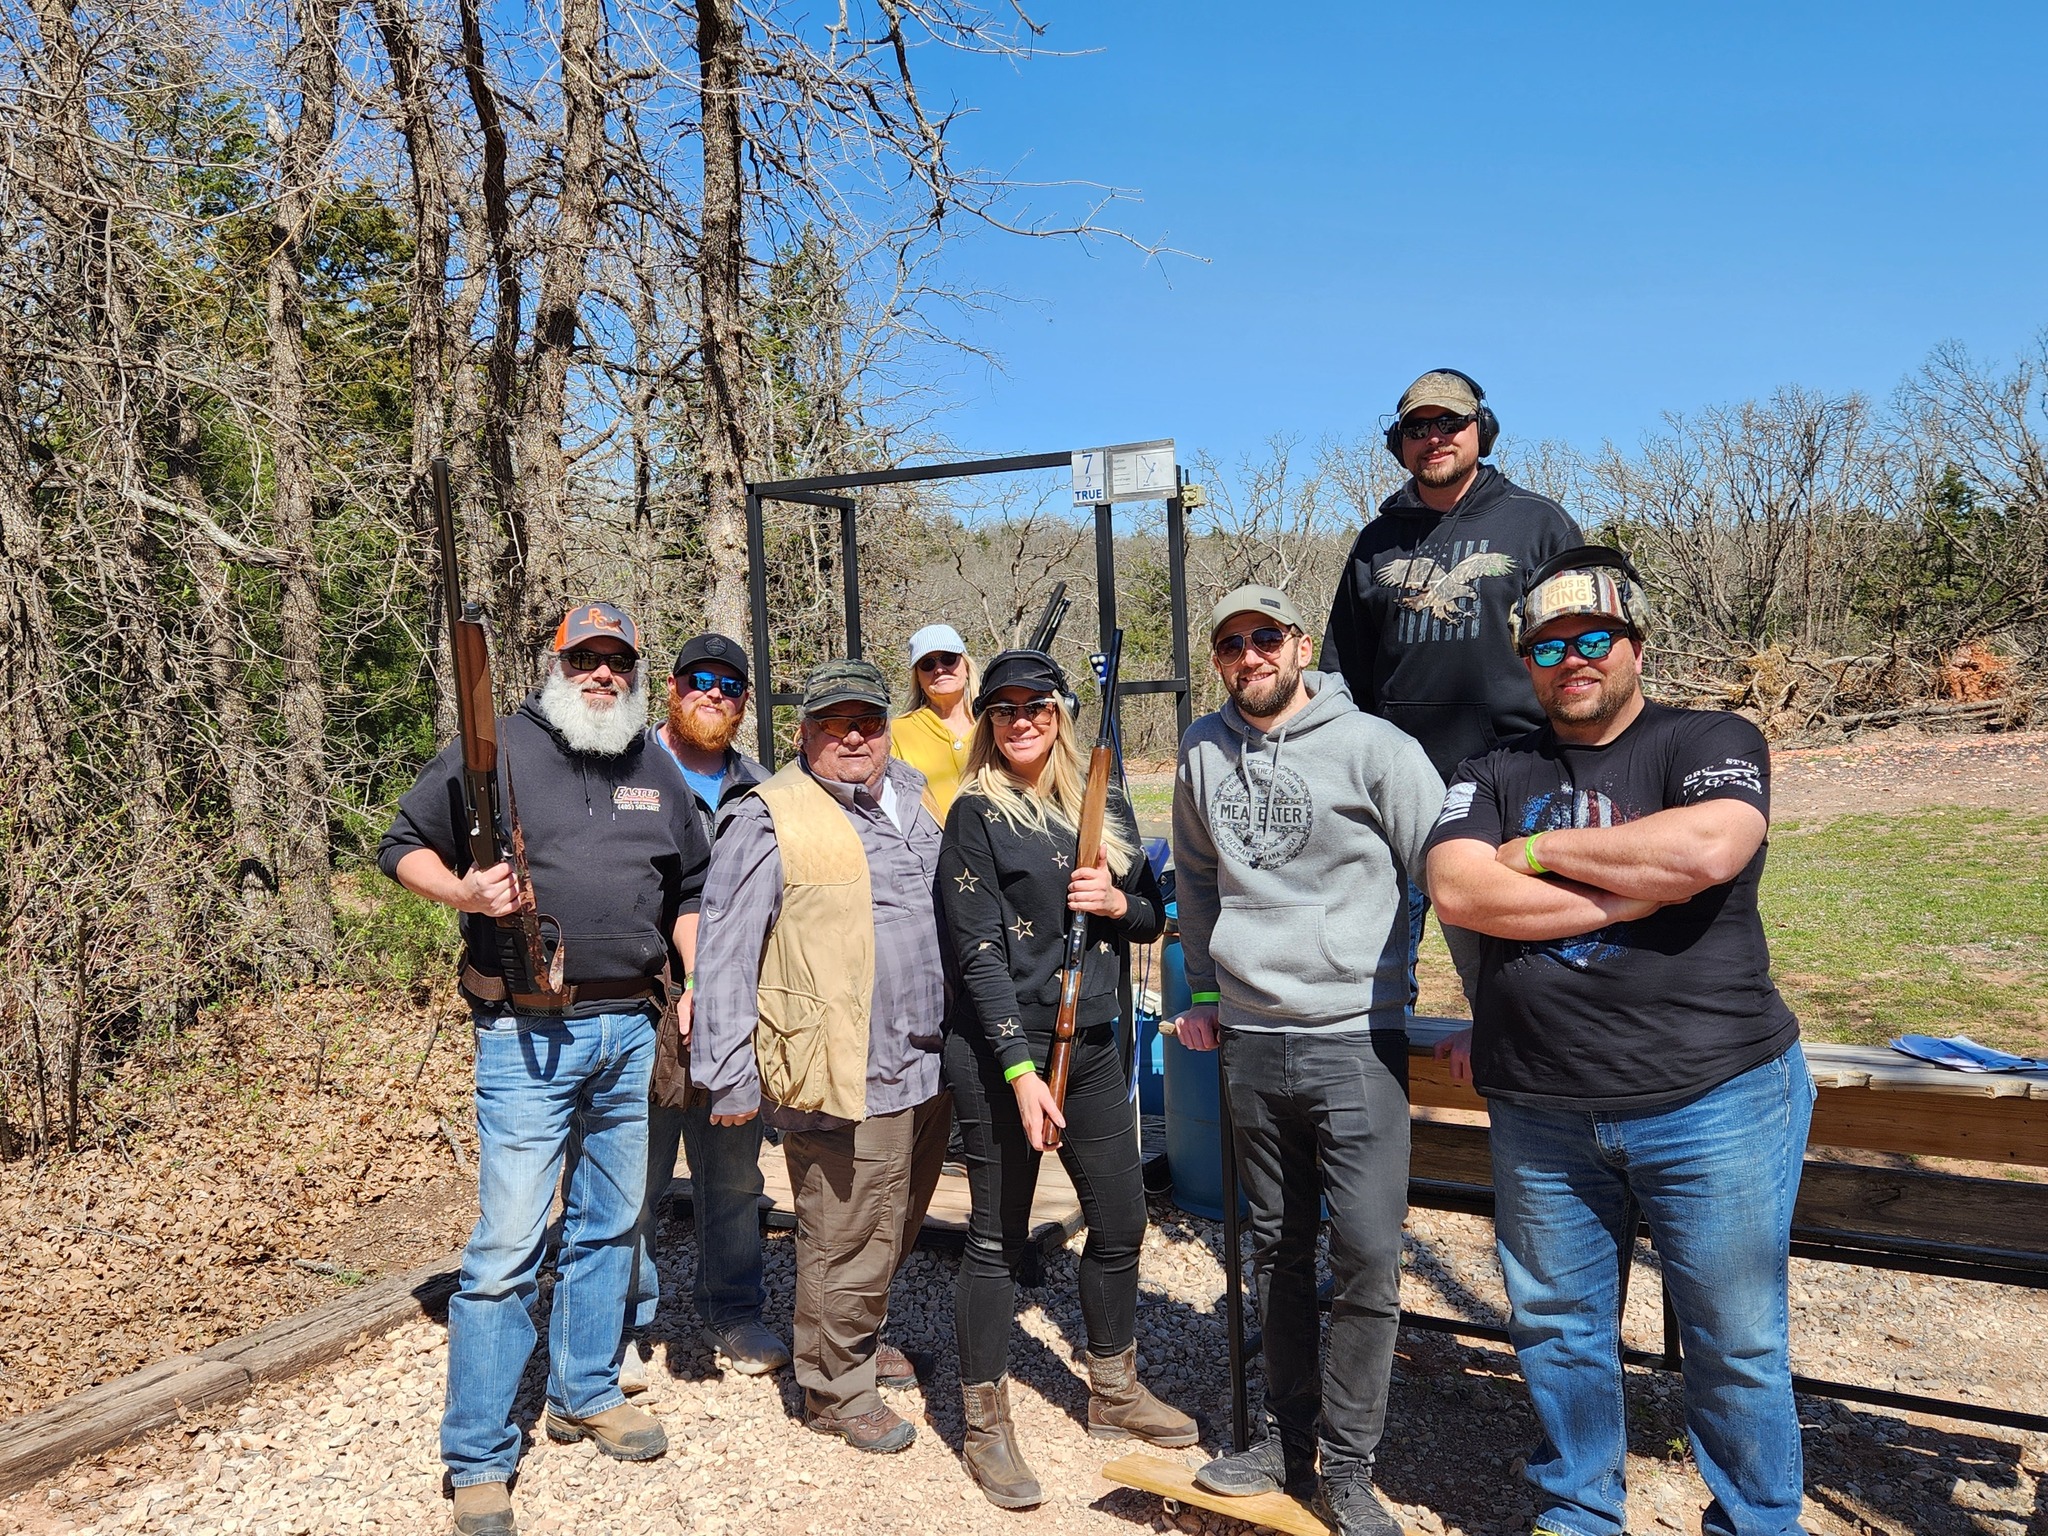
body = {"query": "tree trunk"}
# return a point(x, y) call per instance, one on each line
point(721, 284)
point(305, 861)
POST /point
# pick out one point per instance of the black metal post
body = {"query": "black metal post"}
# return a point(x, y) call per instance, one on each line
point(1177, 600)
point(1105, 576)
point(1233, 1265)
point(849, 560)
point(757, 604)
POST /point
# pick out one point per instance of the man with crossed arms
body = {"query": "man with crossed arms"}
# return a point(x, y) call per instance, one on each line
point(1633, 1052)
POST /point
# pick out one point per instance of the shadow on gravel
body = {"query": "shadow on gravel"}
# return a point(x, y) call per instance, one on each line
point(1869, 1468)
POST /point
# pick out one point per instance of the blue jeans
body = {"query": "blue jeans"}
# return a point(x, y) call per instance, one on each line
point(1463, 944)
point(549, 1092)
point(1715, 1177)
point(725, 1189)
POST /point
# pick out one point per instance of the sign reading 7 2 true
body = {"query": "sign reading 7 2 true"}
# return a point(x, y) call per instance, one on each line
point(1127, 472)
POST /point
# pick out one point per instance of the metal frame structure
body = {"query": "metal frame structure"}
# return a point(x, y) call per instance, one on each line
point(828, 491)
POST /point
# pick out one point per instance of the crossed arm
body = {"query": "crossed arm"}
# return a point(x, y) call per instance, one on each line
point(1601, 875)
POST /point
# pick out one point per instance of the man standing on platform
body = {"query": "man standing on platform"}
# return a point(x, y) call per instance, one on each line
point(1297, 825)
point(707, 699)
point(616, 855)
point(1634, 1054)
point(1419, 627)
point(823, 1007)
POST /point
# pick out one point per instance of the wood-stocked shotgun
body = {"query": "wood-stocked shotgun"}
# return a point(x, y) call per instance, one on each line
point(530, 946)
point(1101, 765)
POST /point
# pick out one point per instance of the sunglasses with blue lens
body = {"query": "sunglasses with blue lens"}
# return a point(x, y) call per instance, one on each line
point(704, 682)
point(1594, 645)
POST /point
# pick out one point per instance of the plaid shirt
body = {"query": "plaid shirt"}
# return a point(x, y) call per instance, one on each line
point(743, 900)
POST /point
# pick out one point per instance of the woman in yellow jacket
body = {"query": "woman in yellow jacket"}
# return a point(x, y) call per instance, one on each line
point(932, 735)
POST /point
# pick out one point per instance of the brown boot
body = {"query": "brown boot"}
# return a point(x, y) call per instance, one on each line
point(622, 1432)
point(991, 1446)
point(484, 1509)
point(1120, 1405)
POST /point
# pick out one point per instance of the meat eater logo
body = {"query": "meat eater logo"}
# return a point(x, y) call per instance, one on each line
point(1262, 818)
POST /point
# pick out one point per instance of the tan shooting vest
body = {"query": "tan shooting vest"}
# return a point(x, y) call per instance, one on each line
point(818, 964)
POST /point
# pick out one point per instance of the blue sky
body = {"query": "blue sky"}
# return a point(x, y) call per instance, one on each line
point(1601, 211)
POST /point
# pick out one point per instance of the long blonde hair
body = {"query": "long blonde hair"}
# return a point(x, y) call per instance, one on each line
point(919, 699)
point(1054, 802)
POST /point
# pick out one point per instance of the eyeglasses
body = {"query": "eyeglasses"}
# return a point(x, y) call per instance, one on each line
point(937, 661)
point(1594, 645)
point(1446, 425)
point(1031, 709)
point(840, 726)
point(1266, 640)
point(583, 659)
point(704, 682)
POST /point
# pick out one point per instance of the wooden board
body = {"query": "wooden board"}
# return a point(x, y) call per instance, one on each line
point(1055, 1208)
point(1871, 1099)
point(100, 1418)
point(1176, 1481)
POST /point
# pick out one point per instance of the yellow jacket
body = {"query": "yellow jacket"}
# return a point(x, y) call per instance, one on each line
point(928, 744)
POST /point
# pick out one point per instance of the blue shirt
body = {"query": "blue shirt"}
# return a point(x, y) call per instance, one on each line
point(707, 787)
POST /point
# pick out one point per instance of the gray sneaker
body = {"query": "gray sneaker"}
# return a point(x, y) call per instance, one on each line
point(1262, 1467)
point(748, 1346)
point(1350, 1507)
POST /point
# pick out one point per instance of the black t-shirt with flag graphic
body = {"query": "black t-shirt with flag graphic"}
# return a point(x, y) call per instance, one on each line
point(1636, 1015)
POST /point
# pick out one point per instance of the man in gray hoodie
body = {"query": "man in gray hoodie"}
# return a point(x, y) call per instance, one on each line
point(1296, 822)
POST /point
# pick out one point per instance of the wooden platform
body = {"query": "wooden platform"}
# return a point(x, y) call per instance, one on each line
point(1055, 1208)
point(1175, 1482)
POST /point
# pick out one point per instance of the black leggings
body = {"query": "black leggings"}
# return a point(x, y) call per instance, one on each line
point(1099, 1149)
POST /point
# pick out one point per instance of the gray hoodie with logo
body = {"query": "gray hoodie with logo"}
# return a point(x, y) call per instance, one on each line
point(1292, 853)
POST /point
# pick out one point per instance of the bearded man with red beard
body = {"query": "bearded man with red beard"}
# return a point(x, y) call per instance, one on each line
point(708, 693)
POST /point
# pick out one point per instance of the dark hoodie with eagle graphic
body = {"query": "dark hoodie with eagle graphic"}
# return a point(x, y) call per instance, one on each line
point(1419, 628)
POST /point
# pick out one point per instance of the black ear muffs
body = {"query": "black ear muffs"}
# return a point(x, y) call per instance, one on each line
point(1489, 424)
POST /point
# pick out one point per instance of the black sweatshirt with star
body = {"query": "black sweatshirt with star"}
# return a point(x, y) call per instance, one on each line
point(1005, 893)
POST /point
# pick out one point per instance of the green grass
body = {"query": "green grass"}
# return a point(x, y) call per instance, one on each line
point(1934, 922)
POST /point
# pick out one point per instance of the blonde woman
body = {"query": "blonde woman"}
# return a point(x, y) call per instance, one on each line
point(1007, 879)
point(933, 732)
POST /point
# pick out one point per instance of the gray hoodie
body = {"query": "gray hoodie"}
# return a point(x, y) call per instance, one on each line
point(1291, 853)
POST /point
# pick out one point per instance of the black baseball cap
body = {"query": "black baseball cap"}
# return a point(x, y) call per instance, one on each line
point(1020, 669)
point(699, 649)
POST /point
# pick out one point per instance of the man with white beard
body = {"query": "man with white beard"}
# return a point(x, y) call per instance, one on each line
point(616, 854)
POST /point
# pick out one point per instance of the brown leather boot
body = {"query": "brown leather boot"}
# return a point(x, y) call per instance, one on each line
point(991, 1447)
point(484, 1509)
point(1119, 1404)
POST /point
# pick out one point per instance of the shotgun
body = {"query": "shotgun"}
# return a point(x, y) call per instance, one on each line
point(530, 947)
point(1094, 802)
point(1047, 629)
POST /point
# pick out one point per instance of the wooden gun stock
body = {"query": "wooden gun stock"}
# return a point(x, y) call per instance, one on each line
point(1094, 804)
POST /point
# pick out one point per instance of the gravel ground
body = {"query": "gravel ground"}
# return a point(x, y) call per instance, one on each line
point(353, 1447)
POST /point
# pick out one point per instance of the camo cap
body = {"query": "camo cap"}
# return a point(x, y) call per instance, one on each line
point(1440, 390)
point(845, 681)
point(1590, 579)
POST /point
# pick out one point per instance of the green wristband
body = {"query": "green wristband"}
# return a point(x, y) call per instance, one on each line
point(1529, 855)
point(1011, 1074)
point(1199, 998)
point(689, 983)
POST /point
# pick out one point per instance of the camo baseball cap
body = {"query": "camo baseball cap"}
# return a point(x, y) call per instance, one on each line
point(1591, 579)
point(1444, 391)
point(596, 621)
point(845, 681)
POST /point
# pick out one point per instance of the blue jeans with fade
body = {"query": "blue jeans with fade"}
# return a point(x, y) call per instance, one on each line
point(1715, 1177)
point(550, 1092)
point(725, 1192)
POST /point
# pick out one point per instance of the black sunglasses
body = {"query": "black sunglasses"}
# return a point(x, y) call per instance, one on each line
point(840, 726)
point(1594, 645)
point(1030, 709)
point(704, 682)
point(583, 659)
point(931, 661)
point(1416, 428)
point(1266, 639)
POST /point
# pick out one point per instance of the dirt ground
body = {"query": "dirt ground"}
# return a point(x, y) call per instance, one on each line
point(316, 1161)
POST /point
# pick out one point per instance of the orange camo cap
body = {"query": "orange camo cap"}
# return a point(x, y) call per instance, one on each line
point(597, 621)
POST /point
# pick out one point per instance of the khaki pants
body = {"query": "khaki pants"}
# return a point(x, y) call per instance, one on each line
point(861, 1194)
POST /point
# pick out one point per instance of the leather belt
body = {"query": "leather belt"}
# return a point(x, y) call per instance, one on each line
point(492, 989)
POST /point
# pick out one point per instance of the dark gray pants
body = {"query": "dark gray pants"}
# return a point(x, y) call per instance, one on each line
point(1324, 1117)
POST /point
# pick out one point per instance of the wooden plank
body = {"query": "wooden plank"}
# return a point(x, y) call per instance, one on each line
point(1176, 1481)
point(295, 1344)
point(1882, 1069)
point(36, 1445)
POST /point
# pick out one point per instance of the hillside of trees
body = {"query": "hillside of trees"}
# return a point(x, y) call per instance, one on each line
point(262, 264)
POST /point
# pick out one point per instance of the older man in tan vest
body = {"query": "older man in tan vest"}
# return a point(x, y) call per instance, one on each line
point(821, 1008)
